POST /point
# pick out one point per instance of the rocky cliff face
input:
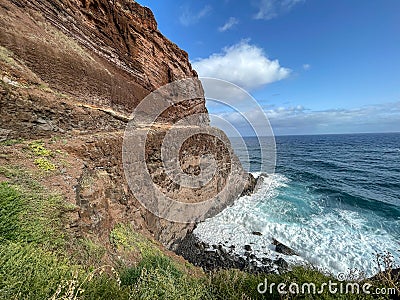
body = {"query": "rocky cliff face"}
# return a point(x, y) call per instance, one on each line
point(72, 71)
point(101, 52)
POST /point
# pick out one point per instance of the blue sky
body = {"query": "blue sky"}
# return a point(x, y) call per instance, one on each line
point(314, 66)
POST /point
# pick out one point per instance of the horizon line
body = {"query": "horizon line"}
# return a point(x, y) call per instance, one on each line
point(316, 134)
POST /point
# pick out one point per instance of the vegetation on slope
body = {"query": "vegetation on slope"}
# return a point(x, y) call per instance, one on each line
point(39, 259)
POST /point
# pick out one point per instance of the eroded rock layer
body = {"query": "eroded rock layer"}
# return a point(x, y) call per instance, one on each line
point(73, 71)
point(101, 52)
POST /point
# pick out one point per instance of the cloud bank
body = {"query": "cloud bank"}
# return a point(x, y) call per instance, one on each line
point(299, 120)
point(243, 64)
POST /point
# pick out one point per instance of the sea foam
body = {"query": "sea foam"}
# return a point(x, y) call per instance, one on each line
point(336, 240)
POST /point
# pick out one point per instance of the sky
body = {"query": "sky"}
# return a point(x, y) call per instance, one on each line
point(314, 67)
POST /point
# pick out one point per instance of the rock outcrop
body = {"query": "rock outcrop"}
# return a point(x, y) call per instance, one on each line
point(212, 257)
point(105, 53)
point(76, 70)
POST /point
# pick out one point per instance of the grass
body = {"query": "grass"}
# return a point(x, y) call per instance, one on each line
point(158, 283)
point(125, 238)
point(155, 276)
point(234, 284)
point(7, 57)
point(33, 243)
point(11, 142)
point(34, 263)
point(32, 268)
point(29, 272)
point(31, 232)
point(92, 252)
point(20, 176)
point(30, 216)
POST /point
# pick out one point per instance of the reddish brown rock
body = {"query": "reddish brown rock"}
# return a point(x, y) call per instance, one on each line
point(76, 70)
point(106, 53)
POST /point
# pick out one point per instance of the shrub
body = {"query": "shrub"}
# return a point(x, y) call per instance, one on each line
point(163, 264)
point(125, 238)
point(44, 164)
point(27, 215)
point(159, 284)
point(11, 142)
point(38, 148)
point(28, 272)
point(11, 205)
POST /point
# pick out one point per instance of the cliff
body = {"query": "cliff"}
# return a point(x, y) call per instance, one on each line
point(72, 72)
point(105, 53)
point(72, 223)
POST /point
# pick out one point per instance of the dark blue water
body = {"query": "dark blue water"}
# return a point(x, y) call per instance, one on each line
point(360, 170)
point(354, 170)
point(333, 198)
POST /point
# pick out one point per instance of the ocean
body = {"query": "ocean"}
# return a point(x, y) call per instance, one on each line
point(334, 199)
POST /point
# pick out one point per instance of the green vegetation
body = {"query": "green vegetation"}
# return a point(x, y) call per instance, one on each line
point(28, 216)
point(156, 276)
point(92, 252)
point(44, 164)
point(7, 57)
point(29, 272)
point(30, 234)
point(11, 142)
point(125, 238)
point(38, 148)
point(39, 260)
point(234, 284)
point(159, 283)
point(33, 245)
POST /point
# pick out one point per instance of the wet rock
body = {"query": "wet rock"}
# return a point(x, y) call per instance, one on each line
point(282, 264)
point(253, 256)
point(247, 247)
point(250, 185)
point(281, 248)
point(211, 257)
point(266, 261)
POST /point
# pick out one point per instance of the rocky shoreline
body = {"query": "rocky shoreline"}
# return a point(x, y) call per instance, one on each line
point(214, 257)
point(223, 256)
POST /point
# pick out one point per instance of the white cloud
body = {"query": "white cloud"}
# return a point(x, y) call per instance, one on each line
point(371, 118)
point(189, 17)
point(246, 124)
point(229, 24)
point(306, 67)
point(383, 117)
point(242, 64)
point(269, 9)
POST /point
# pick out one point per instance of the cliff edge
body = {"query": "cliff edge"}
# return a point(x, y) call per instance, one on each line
point(71, 74)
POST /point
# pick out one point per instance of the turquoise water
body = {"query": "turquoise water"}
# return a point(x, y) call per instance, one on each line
point(335, 199)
